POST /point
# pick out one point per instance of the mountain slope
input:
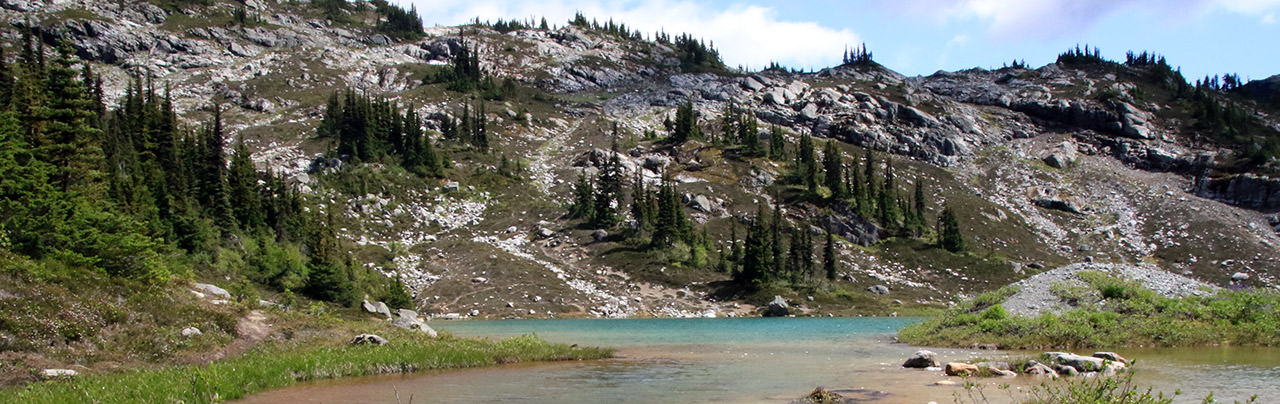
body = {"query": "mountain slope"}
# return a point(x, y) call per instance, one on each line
point(1136, 170)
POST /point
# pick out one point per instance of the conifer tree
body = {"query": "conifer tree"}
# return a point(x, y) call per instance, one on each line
point(686, 124)
point(833, 165)
point(829, 257)
point(949, 235)
point(242, 187)
point(583, 205)
point(749, 133)
point(213, 181)
point(757, 259)
point(888, 213)
point(608, 189)
point(806, 168)
point(777, 145)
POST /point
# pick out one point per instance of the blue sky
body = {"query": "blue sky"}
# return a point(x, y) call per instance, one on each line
point(923, 36)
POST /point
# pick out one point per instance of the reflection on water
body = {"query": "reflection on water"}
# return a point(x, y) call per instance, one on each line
point(752, 361)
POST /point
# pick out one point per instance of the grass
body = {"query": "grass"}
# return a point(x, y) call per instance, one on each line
point(277, 366)
point(1115, 313)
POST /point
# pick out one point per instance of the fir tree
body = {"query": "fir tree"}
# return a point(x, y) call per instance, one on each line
point(242, 187)
point(829, 257)
point(949, 235)
point(777, 145)
point(749, 133)
point(833, 167)
point(806, 168)
point(583, 205)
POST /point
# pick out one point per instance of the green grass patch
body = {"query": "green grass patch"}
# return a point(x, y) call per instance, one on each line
point(277, 366)
point(1117, 313)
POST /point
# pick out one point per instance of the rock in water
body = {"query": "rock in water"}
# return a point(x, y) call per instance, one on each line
point(777, 308)
point(363, 339)
point(922, 359)
point(960, 369)
point(1111, 356)
point(1036, 368)
point(1079, 362)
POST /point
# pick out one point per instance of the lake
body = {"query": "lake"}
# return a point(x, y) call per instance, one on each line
point(755, 360)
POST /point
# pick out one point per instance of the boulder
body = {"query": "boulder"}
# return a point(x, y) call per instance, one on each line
point(1238, 277)
point(922, 359)
point(451, 186)
point(1061, 157)
point(1111, 356)
point(545, 233)
point(994, 365)
point(777, 308)
point(599, 235)
point(1036, 368)
point(368, 339)
point(413, 324)
point(212, 290)
point(1002, 372)
point(381, 308)
point(190, 331)
point(701, 203)
point(406, 313)
point(1065, 370)
point(879, 289)
point(369, 307)
point(1056, 204)
point(960, 369)
point(57, 373)
point(1079, 362)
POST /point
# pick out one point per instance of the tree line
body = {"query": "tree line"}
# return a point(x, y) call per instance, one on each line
point(134, 193)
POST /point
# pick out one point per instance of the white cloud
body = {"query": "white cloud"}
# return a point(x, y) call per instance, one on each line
point(1016, 19)
point(745, 35)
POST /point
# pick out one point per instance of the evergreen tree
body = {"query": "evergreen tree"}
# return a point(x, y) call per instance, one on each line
point(329, 277)
point(833, 167)
point(777, 145)
point(671, 225)
point(888, 213)
point(775, 242)
point(806, 168)
point(607, 191)
point(583, 205)
point(749, 133)
point(949, 235)
point(757, 257)
point(686, 124)
point(213, 181)
point(829, 257)
point(242, 187)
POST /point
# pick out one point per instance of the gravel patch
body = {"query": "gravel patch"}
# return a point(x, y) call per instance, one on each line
point(1034, 297)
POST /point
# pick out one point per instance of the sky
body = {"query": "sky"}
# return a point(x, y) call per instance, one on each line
point(920, 37)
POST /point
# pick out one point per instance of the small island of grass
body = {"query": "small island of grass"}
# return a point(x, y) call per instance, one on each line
point(1108, 312)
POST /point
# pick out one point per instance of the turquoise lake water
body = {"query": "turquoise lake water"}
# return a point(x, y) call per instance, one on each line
point(755, 360)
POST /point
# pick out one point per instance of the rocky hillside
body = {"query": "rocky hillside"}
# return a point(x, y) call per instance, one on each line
point(1073, 162)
